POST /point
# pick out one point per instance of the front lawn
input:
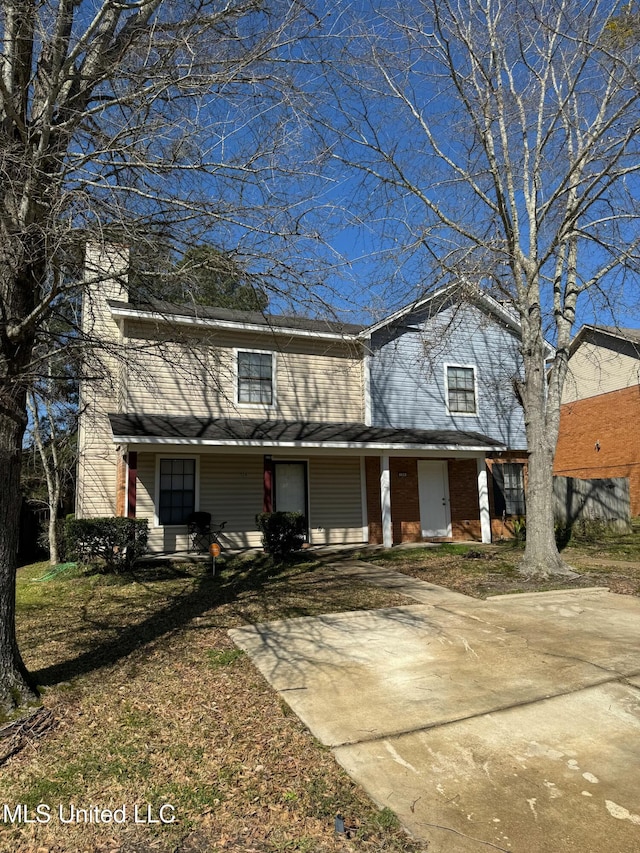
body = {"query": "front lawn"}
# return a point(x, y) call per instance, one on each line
point(154, 705)
point(601, 559)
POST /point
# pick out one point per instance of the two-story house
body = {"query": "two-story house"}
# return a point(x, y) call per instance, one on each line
point(384, 433)
point(600, 414)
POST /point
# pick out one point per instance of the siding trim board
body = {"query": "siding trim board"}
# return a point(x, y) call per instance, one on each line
point(330, 445)
point(483, 300)
point(121, 312)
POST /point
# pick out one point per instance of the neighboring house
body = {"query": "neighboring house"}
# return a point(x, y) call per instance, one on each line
point(600, 413)
point(234, 413)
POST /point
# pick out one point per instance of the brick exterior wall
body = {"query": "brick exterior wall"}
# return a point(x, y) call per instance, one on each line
point(612, 420)
point(405, 502)
point(463, 496)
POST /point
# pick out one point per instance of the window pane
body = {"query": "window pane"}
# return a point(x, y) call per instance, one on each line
point(514, 497)
point(177, 490)
point(255, 378)
point(461, 389)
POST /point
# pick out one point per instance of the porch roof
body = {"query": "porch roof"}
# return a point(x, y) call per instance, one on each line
point(245, 432)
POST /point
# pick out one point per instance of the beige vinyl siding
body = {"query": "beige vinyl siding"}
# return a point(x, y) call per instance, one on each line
point(336, 500)
point(596, 370)
point(314, 380)
point(97, 455)
point(231, 489)
point(97, 460)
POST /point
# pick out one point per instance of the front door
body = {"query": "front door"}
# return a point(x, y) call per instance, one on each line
point(290, 487)
point(433, 489)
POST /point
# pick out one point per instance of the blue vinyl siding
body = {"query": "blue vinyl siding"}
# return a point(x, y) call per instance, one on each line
point(408, 373)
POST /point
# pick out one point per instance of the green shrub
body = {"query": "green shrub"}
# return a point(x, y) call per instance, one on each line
point(520, 529)
point(114, 543)
point(282, 532)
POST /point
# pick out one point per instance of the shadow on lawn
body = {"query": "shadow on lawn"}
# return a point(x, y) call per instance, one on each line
point(209, 592)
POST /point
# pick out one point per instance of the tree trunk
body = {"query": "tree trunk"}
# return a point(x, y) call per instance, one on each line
point(51, 469)
point(54, 557)
point(16, 687)
point(541, 556)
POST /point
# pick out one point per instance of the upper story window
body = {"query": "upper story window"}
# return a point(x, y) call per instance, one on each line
point(461, 390)
point(255, 377)
point(177, 490)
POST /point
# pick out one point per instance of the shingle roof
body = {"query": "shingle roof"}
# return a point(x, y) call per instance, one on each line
point(589, 332)
point(255, 318)
point(169, 429)
point(630, 334)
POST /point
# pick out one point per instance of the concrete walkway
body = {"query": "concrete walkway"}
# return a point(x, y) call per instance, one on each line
point(507, 724)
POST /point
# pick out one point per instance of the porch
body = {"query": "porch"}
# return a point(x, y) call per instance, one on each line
point(354, 483)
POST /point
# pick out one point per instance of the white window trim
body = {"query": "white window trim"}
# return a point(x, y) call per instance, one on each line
point(156, 499)
point(454, 414)
point(257, 407)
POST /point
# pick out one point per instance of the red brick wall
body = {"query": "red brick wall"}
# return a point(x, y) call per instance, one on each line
point(463, 495)
point(405, 499)
point(611, 419)
point(405, 502)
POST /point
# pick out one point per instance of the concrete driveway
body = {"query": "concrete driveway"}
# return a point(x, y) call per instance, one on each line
point(508, 724)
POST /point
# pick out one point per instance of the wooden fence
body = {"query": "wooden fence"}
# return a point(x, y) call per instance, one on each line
point(604, 500)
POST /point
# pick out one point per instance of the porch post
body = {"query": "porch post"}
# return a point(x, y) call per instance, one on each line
point(385, 502)
point(267, 492)
point(132, 477)
point(483, 499)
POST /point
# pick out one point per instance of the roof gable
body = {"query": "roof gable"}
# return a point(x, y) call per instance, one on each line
point(434, 302)
point(624, 339)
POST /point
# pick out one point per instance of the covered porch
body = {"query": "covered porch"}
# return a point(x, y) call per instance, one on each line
point(353, 483)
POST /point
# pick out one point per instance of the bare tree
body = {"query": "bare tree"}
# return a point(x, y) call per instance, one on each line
point(116, 117)
point(501, 139)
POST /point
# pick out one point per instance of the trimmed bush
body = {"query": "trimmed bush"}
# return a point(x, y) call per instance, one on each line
point(113, 542)
point(282, 532)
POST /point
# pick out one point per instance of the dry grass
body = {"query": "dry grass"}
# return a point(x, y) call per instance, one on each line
point(483, 570)
point(155, 705)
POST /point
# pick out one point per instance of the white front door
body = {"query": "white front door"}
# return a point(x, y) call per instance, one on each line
point(433, 489)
